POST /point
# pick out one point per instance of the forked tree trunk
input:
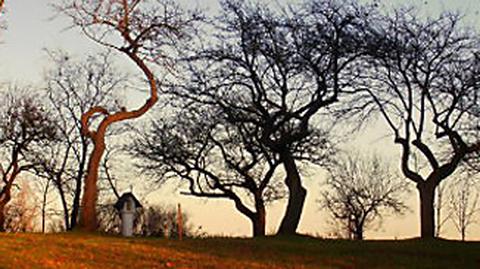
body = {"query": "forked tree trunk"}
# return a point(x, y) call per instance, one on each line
point(296, 197)
point(427, 216)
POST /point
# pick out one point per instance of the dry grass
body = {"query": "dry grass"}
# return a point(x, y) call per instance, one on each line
point(77, 250)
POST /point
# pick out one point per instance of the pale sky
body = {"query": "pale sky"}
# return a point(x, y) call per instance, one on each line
point(31, 29)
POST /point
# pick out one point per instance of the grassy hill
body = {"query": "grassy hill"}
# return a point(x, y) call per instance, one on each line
point(97, 251)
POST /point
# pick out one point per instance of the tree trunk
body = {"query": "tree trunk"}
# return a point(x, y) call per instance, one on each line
point(358, 233)
point(5, 197)
point(259, 221)
point(44, 206)
point(78, 187)
point(88, 221)
point(296, 197)
point(66, 214)
point(427, 216)
point(2, 217)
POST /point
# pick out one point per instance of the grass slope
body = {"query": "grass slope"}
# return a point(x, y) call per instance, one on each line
point(96, 251)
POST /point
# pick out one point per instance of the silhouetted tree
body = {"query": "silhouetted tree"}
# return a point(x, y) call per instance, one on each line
point(162, 221)
point(146, 32)
point(424, 81)
point(215, 158)
point(464, 203)
point(275, 72)
point(25, 128)
point(73, 87)
point(22, 212)
point(360, 191)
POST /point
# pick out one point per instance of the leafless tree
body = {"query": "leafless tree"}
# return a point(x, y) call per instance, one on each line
point(158, 220)
point(44, 203)
point(442, 214)
point(276, 72)
point(464, 203)
point(361, 190)
point(215, 159)
point(424, 81)
point(146, 32)
point(73, 87)
point(25, 128)
point(22, 212)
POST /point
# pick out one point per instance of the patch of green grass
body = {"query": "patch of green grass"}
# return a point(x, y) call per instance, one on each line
point(77, 250)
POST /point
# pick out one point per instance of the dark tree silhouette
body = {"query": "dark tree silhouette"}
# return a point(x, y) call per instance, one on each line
point(360, 191)
point(275, 72)
point(147, 33)
point(425, 83)
point(215, 158)
point(25, 128)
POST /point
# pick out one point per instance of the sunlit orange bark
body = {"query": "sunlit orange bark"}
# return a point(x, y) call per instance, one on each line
point(5, 192)
point(4, 199)
point(88, 221)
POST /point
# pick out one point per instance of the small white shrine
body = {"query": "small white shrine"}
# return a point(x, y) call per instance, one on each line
point(127, 206)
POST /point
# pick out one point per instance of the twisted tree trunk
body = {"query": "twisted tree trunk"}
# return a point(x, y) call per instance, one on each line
point(88, 213)
point(296, 198)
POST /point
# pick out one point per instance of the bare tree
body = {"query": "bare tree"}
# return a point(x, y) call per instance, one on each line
point(144, 32)
point(424, 82)
point(73, 87)
point(23, 211)
point(216, 160)
point(25, 127)
point(442, 214)
point(277, 71)
point(158, 220)
point(44, 202)
point(464, 203)
point(360, 191)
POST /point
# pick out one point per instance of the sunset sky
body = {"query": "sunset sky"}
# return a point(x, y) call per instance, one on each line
point(33, 27)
